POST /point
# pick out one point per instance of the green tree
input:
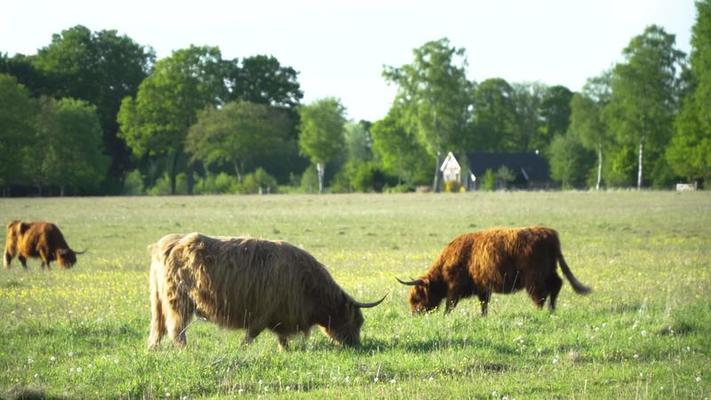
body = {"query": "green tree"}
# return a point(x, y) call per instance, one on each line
point(569, 161)
point(527, 99)
point(398, 151)
point(68, 152)
point(689, 152)
point(322, 125)
point(495, 117)
point(156, 122)
point(101, 68)
point(435, 97)
point(555, 112)
point(645, 92)
point(236, 134)
point(23, 69)
point(17, 114)
point(587, 120)
point(358, 141)
point(263, 80)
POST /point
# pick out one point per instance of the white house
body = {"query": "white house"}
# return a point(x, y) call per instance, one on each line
point(450, 168)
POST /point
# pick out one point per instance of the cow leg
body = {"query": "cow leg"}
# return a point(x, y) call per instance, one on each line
point(484, 301)
point(157, 327)
point(7, 259)
point(252, 333)
point(283, 342)
point(554, 285)
point(537, 295)
point(178, 315)
point(450, 304)
point(23, 261)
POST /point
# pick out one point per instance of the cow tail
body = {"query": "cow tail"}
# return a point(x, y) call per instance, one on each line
point(577, 286)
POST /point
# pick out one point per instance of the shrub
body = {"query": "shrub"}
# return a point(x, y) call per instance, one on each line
point(133, 186)
point(258, 182)
point(452, 186)
point(217, 184)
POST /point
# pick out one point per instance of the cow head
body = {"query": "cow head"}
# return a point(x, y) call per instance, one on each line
point(344, 327)
point(425, 295)
point(66, 258)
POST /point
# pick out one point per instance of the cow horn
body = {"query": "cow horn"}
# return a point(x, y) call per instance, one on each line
point(413, 282)
point(80, 252)
point(369, 305)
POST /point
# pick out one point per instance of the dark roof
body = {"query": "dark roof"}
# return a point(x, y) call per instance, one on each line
point(532, 166)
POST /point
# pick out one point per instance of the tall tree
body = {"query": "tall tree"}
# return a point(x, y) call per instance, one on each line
point(23, 69)
point(495, 117)
point(358, 141)
point(689, 152)
point(587, 120)
point(237, 134)
point(399, 153)
point(645, 94)
point(555, 112)
point(262, 79)
point(68, 152)
point(527, 98)
point(17, 114)
point(322, 125)
point(569, 160)
point(102, 68)
point(156, 122)
point(435, 97)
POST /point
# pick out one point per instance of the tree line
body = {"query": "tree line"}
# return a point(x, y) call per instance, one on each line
point(96, 113)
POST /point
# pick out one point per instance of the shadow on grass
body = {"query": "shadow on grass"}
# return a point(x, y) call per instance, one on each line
point(24, 393)
point(434, 345)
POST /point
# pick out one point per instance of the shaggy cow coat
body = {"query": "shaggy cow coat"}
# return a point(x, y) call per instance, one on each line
point(246, 283)
point(494, 261)
point(41, 240)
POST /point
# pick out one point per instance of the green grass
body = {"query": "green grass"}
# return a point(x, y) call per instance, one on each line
point(644, 332)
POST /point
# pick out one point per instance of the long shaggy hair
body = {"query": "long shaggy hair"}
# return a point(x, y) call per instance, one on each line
point(246, 283)
point(494, 261)
point(41, 240)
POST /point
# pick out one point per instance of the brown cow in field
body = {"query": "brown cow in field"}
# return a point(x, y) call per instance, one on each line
point(245, 283)
point(41, 240)
point(494, 261)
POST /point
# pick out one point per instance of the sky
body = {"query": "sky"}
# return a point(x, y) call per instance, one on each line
point(339, 48)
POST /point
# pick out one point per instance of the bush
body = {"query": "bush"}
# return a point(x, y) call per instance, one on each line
point(217, 184)
point(309, 180)
point(133, 186)
point(258, 182)
point(452, 187)
point(488, 181)
point(403, 188)
point(162, 186)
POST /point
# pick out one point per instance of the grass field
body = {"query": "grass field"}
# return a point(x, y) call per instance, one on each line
point(644, 332)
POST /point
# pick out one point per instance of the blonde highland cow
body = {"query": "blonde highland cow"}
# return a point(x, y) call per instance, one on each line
point(246, 283)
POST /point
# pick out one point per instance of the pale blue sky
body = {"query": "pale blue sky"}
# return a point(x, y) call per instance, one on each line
point(340, 47)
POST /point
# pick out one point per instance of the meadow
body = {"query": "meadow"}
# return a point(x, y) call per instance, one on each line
point(644, 331)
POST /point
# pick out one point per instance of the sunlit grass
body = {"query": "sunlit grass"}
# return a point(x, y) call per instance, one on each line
point(645, 331)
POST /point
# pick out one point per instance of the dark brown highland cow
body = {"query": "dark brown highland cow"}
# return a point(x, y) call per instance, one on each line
point(41, 240)
point(245, 283)
point(494, 261)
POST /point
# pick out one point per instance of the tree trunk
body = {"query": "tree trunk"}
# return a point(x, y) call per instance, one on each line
point(639, 168)
point(435, 182)
point(173, 173)
point(237, 169)
point(189, 179)
point(61, 190)
point(599, 167)
point(320, 171)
